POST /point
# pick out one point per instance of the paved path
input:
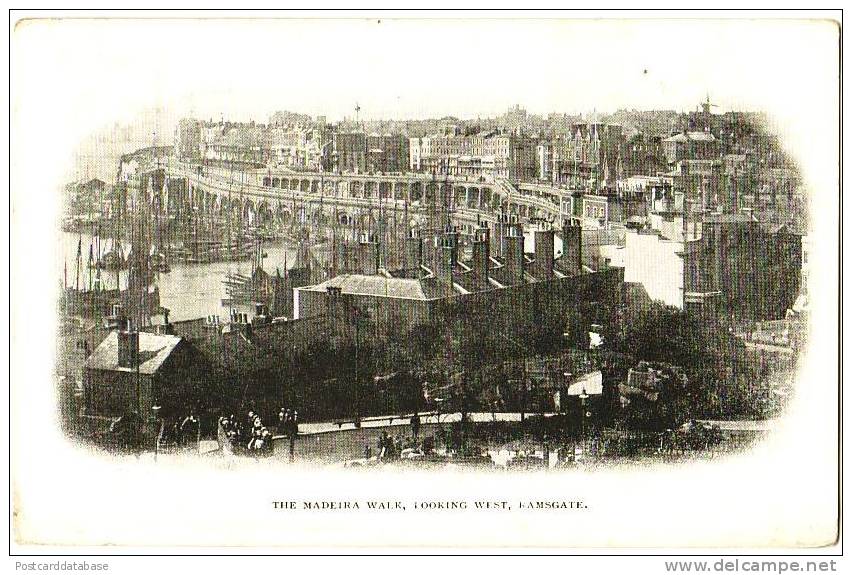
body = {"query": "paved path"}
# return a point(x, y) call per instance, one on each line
point(385, 421)
point(742, 424)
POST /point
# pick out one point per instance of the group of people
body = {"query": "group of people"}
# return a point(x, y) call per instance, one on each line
point(288, 422)
point(182, 431)
point(251, 435)
point(395, 447)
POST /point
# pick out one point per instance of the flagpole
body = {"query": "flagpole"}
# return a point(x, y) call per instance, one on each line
point(79, 255)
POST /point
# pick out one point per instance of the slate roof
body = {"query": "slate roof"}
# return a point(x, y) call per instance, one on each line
point(714, 218)
point(694, 136)
point(154, 349)
point(380, 286)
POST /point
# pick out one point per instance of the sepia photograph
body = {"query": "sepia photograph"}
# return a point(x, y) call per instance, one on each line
point(413, 281)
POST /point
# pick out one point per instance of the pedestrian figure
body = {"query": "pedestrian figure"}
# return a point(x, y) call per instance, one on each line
point(384, 445)
point(415, 425)
point(293, 431)
point(190, 424)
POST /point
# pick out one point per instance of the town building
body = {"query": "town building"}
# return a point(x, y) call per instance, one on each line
point(387, 153)
point(717, 265)
point(701, 183)
point(359, 152)
point(86, 199)
point(299, 148)
point(643, 155)
point(690, 146)
point(741, 269)
point(589, 157)
point(133, 371)
point(483, 155)
point(189, 140)
point(513, 288)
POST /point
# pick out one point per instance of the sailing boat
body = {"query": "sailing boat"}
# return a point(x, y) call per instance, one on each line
point(249, 289)
point(112, 257)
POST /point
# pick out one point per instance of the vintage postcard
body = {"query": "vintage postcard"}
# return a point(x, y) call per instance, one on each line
point(410, 281)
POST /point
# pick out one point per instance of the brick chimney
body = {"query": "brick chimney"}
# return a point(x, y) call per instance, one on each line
point(335, 308)
point(543, 265)
point(572, 247)
point(481, 253)
point(514, 258)
point(500, 233)
point(448, 254)
point(414, 252)
point(369, 255)
point(128, 348)
point(510, 222)
point(166, 328)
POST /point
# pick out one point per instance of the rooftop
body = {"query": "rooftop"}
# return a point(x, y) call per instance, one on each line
point(713, 218)
point(154, 349)
point(381, 286)
point(693, 136)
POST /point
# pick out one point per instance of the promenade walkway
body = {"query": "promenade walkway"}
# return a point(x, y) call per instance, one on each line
point(394, 421)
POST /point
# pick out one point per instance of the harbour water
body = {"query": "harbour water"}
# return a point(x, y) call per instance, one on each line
point(189, 290)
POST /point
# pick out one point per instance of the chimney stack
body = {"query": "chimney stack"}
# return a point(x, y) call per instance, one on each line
point(414, 253)
point(369, 255)
point(572, 247)
point(448, 255)
point(128, 348)
point(512, 223)
point(543, 266)
point(481, 253)
point(335, 310)
point(499, 233)
point(514, 258)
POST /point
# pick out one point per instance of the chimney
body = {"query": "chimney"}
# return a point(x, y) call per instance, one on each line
point(481, 253)
point(369, 255)
point(128, 348)
point(414, 252)
point(448, 254)
point(166, 328)
point(380, 238)
point(572, 247)
point(514, 258)
point(510, 222)
point(261, 314)
point(500, 233)
point(543, 266)
point(334, 302)
point(334, 294)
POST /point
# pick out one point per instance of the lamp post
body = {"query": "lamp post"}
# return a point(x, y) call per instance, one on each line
point(567, 375)
point(583, 414)
point(155, 412)
point(438, 402)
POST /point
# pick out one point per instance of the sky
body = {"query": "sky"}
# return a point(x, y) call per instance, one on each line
point(89, 75)
point(246, 69)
